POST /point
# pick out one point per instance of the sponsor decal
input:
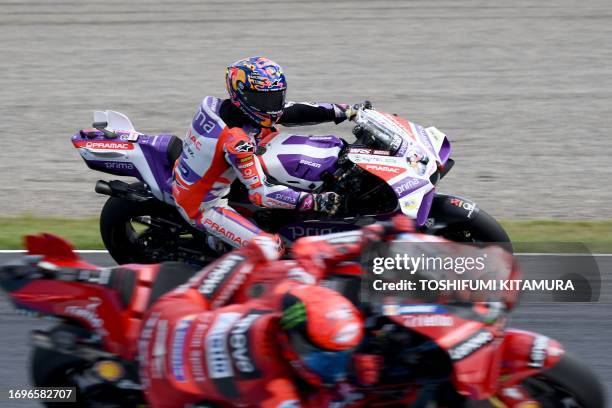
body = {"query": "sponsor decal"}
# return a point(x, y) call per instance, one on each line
point(466, 205)
point(310, 163)
point(158, 366)
point(246, 164)
point(104, 145)
point(245, 159)
point(385, 169)
point(196, 347)
point(394, 309)
point(471, 345)
point(240, 346)
point(202, 123)
point(178, 346)
point(407, 185)
point(286, 198)
point(537, 357)
point(251, 181)
point(89, 314)
point(244, 147)
point(428, 320)
point(424, 137)
point(219, 272)
point(410, 204)
point(194, 141)
point(227, 291)
point(217, 355)
point(247, 173)
point(297, 231)
point(221, 230)
point(119, 165)
point(143, 347)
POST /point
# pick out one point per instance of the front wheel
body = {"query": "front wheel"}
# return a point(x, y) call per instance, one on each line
point(482, 227)
point(569, 384)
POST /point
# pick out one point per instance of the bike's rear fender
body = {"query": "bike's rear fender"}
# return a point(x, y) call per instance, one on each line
point(145, 157)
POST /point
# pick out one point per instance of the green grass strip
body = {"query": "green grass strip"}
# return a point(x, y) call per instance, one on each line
point(84, 233)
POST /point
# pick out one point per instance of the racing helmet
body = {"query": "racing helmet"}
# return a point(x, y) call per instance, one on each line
point(257, 86)
point(320, 329)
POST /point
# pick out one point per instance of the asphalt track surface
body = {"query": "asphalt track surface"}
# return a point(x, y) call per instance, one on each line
point(585, 329)
point(523, 88)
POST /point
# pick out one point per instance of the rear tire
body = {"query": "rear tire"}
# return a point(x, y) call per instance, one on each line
point(161, 233)
point(50, 368)
point(569, 383)
point(118, 234)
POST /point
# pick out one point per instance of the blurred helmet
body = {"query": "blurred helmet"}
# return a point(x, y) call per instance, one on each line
point(320, 330)
point(257, 86)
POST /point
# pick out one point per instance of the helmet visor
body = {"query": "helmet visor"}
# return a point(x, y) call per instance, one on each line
point(329, 366)
point(266, 102)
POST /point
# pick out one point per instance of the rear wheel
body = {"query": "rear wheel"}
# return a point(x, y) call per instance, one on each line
point(149, 232)
point(568, 384)
point(52, 368)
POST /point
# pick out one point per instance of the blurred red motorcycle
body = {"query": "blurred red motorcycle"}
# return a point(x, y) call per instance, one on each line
point(442, 354)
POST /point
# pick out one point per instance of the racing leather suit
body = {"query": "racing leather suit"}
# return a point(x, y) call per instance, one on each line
point(219, 146)
point(213, 336)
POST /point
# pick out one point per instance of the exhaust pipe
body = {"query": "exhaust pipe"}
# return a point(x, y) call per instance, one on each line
point(102, 187)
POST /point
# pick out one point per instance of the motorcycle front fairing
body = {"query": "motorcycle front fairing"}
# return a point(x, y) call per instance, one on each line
point(412, 155)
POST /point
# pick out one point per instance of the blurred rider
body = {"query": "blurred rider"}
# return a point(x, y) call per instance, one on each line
point(235, 334)
point(277, 350)
point(221, 145)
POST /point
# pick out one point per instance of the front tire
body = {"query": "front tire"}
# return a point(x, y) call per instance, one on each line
point(570, 383)
point(481, 228)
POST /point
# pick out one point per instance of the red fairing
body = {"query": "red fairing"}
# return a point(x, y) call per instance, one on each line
point(55, 250)
point(95, 306)
point(525, 354)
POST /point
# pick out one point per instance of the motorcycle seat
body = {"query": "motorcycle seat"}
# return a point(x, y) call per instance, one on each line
point(169, 276)
point(175, 148)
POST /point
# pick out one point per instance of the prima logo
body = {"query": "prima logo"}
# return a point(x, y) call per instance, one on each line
point(119, 166)
point(408, 185)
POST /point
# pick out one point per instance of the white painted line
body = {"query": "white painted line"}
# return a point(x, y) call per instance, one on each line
point(104, 251)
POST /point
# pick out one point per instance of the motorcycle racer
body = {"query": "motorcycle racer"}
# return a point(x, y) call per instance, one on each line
point(266, 352)
point(221, 145)
point(229, 319)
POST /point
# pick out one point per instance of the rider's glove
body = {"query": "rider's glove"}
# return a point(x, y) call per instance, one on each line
point(344, 111)
point(324, 202)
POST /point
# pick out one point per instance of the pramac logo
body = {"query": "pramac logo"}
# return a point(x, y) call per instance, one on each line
point(104, 145)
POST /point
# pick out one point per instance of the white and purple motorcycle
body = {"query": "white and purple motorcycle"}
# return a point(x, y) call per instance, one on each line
point(392, 167)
